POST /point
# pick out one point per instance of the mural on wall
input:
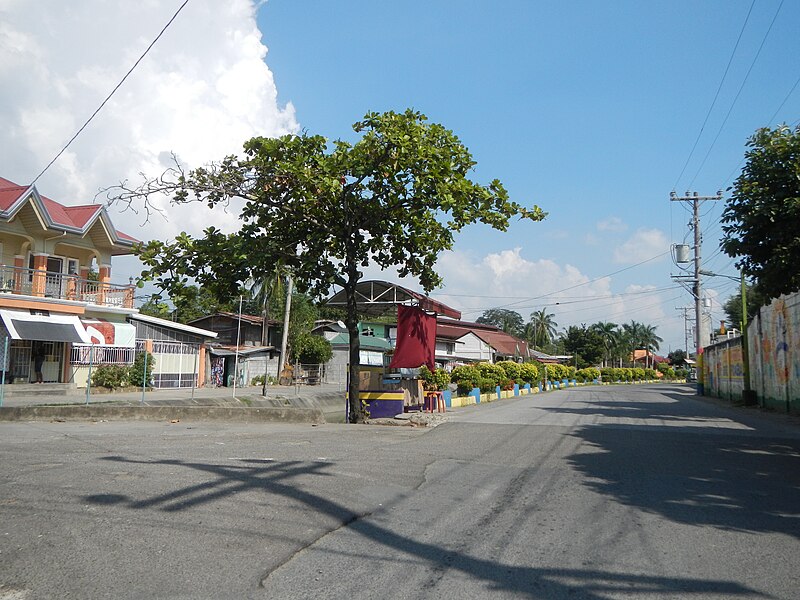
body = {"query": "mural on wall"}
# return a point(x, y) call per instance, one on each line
point(775, 358)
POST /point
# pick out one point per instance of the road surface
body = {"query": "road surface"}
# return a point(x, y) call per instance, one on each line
point(597, 492)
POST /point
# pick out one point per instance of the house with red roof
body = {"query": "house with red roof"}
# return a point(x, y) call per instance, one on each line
point(59, 303)
point(459, 342)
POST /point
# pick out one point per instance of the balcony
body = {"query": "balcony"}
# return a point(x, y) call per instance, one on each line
point(45, 284)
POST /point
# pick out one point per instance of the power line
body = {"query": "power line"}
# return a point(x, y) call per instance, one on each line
point(741, 87)
point(714, 101)
point(103, 103)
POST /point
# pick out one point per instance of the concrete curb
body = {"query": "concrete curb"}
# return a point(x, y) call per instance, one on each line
point(163, 413)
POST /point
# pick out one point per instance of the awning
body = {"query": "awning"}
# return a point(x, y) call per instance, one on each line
point(23, 325)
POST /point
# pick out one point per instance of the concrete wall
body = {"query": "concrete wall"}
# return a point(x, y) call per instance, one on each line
point(774, 344)
point(723, 369)
point(774, 337)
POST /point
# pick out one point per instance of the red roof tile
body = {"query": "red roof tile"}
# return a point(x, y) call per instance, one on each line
point(68, 216)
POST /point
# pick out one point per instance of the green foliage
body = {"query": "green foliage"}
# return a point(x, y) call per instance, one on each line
point(492, 372)
point(508, 320)
point(511, 369)
point(676, 357)
point(137, 370)
point(311, 349)
point(681, 373)
point(466, 377)
point(487, 384)
point(110, 376)
point(587, 375)
point(667, 371)
point(257, 380)
point(393, 198)
point(529, 372)
point(156, 308)
point(764, 200)
point(434, 380)
point(542, 328)
point(192, 302)
point(733, 306)
point(586, 344)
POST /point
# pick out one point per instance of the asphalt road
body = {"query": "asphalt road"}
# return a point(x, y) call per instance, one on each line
point(596, 492)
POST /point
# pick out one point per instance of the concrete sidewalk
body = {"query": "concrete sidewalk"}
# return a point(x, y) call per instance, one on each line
point(282, 402)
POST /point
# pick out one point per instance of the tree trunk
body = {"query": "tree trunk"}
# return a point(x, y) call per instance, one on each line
point(357, 413)
point(286, 314)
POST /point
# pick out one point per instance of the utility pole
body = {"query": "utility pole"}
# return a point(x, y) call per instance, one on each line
point(686, 329)
point(697, 287)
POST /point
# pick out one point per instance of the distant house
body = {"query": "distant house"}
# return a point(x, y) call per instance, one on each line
point(646, 359)
point(57, 297)
point(238, 350)
point(459, 342)
point(56, 294)
point(377, 341)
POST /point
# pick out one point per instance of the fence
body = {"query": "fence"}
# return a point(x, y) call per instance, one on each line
point(32, 282)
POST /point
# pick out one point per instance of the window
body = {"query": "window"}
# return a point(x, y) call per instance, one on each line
point(72, 266)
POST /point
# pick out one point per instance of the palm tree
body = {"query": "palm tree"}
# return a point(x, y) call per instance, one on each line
point(650, 340)
point(543, 326)
point(633, 335)
point(608, 332)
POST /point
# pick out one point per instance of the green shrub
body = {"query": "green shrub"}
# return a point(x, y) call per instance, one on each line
point(681, 373)
point(487, 384)
point(137, 369)
point(434, 380)
point(529, 373)
point(511, 369)
point(110, 376)
point(465, 377)
point(257, 380)
point(491, 371)
point(638, 374)
point(587, 374)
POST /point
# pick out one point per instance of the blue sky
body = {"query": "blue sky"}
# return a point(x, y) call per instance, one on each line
point(588, 109)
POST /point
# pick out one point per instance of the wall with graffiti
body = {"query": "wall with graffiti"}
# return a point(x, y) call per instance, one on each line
point(774, 337)
point(723, 369)
point(774, 346)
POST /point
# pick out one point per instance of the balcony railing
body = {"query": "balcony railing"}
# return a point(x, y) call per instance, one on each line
point(45, 284)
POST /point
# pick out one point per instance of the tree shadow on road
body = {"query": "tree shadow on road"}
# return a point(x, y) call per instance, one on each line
point(702, 464)
point(276, 478)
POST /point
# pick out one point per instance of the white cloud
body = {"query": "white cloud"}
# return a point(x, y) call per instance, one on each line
point(613, 224)
point(202, 90)
point(644, 244)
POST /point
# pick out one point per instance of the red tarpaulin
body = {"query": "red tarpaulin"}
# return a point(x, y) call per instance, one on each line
point(416, 339)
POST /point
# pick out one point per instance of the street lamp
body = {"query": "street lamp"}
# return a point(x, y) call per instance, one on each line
point(748, 395)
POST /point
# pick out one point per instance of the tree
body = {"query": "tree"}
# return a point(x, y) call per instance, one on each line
point(609, 335)
point(650, 342)
point(393, 198)
point(502, 318)
point(544, 327)
point(757, 217)
point(676, 357)
point(156, 308)
point(585, 344)
point(733, 306)
point(312, 349)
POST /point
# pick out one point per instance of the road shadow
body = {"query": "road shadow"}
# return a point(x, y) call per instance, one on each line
point(276, 477)
point(726, 473)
